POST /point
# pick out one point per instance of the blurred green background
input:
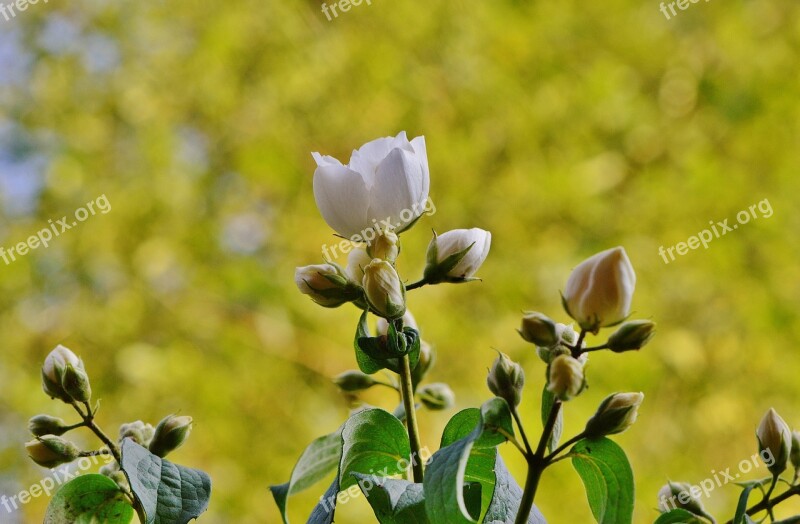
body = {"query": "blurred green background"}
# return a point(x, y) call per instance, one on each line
point(564, 128)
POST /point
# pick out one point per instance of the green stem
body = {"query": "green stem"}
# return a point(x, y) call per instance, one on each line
point(88, 421)
point(536, 465)
point(550, 458)
point(417, 284)
point(769, 494)
point(407, 389)
point(766, 503)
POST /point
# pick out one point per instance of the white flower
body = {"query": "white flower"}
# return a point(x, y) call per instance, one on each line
point(599, 291)
point(386, 179)
point(323, 283)
point(451, 244)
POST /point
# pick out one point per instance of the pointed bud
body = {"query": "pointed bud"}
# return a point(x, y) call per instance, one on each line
point(631, 335)
point(385, 292)
point(42, 425)
point(599, 291)
point(170, 433)
point(456, 255)
point(354, 381)
point(137, 431)
point(674, 495)
point(76, 383)
point(506, 380)
point(54, 369)
point(437, 396)
point(357, 260)
point(538, 329)
point(427, 358)
point(386, 246)
point(326, 284)
point(50, 451)
point(566, 379)
point(774, 437)
point(616, 413)
point(794, 455)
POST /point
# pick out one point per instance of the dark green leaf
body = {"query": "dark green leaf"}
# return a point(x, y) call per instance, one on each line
point(741, 506)
point(548, 399)
point(324, 511)
point(608, 479)
point(679, 516)
point(506, 499)
point(394, 501)
point(317, 461)
point(366, 363)
point(89, 499)
point(168, 493)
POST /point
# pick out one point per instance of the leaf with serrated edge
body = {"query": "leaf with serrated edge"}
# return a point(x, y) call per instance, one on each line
point(168, 493)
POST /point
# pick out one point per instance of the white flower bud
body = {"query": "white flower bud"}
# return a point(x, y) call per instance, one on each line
point(775, 438)
point(325, 284)
point(456, 255)
point(599, 291)
point(615, 414)
point(170, 434)
point(674, 495)
point(386, 246)
point(384, 290)
point(538, 329)
point(50, 451)
point(631, 335)
point(506, 380)
point(357, 260)
point(566, 379)
point(54, 370)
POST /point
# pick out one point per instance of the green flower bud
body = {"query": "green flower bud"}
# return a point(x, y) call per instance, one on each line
point(774, 437)
point(565, 378)
point(538, 329)
point(385, 246)
point(674, 495)
point(53, 372)
point(50, 451)
point(385, 292)
point(437, 396)
point(506, 380)
point(42, 425)
point(170, 434)
point(794, 455)
point(631, 335)
point(138, 431)
point(326, 284)
point(616, 413)
point(354, 381)
point(76, 383)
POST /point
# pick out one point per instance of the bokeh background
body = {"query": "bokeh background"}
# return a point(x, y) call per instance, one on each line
point(563, 127)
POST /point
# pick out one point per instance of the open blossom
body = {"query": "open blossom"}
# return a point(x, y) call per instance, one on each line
point(599, 291)
point(386, 180)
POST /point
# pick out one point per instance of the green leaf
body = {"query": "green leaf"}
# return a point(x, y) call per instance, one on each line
point(168, 493)
point(394, 501)
point(366, 363)
point(89, 499)
point(548, 399)
point(679, 516)
point(506, 499)
point(466, 457)
point(375, 442)
point(741, 506)
point(608, 479)
point(324, 510)
point(317, 461)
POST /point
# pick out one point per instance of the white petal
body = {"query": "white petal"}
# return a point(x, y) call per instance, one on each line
point(398, 184)
point(325, 160)
point(421, 149)
point(342, 199)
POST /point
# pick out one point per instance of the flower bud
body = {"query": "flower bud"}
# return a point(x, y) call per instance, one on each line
point(170, 433)
point(775, 438)
point(357, 260)
point(53, 375)
point(616, 413)
point(456, 255)
point(506, 380)
point(427, 358)
point(354, 381)
point(538, 329)
point(674, 495)
point(599, 291)
point(437, 396)
point(566, 379)
point(42, 425)
point(138, 431)
point(631, 335)
point(386, 246)
point(50, 451)
point(76, 383)
point(326, 284)
point(794, 455)
point(385, 292)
